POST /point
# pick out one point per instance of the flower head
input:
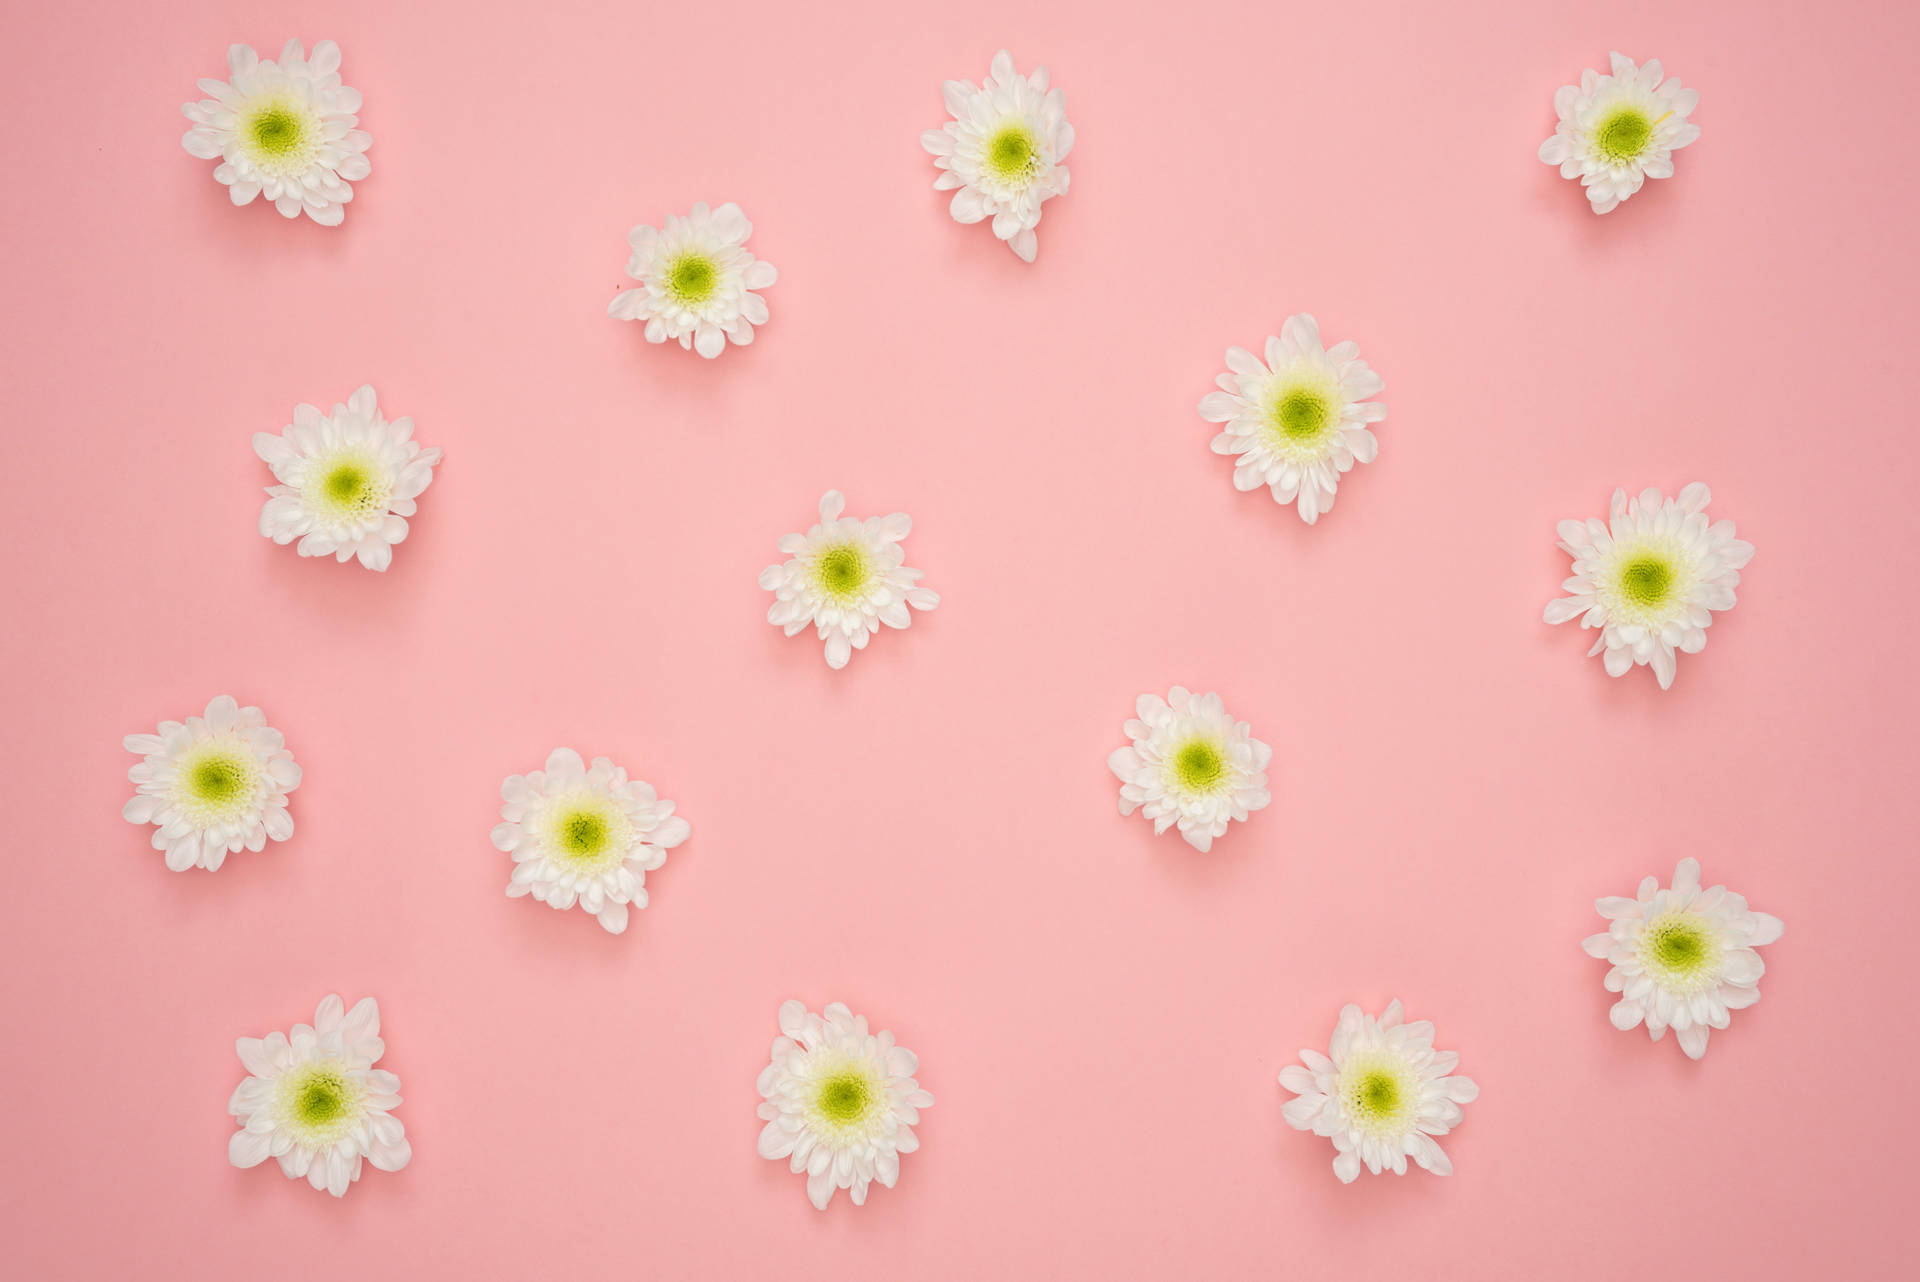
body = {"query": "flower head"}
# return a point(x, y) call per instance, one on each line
point(1190, 764)
point(1297, 420)
point(838, 1101)
point(1382, 1093)
point(284, 129)
point(846, 577)
point(1003, 149)
point(1617, 131)
point(212, 784)
point(314, 1100)
point(585, 835)
point(695, 279)
point(1682, 957)
point(1650, 578)
point(348, 480)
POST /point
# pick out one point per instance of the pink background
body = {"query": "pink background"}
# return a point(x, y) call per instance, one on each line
point(931, 835)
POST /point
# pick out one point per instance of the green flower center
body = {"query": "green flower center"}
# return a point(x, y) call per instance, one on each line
point(347, 484)
point(220, 779)
point(1624, 134)
point(692, 278)
point(1303, 414)
point(845, 1097)
point(1647, 580)
point(1200, 766)
point(319, 1103)
point(1379, 1093)
point(321, 1100)
point(277, 132)
point(1011, 153)
point(1680, 946)
point(842, 571)
point(583, 833)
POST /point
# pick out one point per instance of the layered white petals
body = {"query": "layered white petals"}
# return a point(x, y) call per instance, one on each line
point(696, 281)
point(348, 480)
point(212, 785)
point(284, 130)
point(846, 578)
point(1682, 958)
point(840, 1102)
point(1618, 130)
point(1382, 1094)
point(1001, 152)
point(1191, 765)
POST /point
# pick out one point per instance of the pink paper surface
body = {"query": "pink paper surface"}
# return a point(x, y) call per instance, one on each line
point(931, 835)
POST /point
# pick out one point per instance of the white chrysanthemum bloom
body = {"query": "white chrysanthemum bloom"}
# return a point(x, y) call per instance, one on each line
point(1298, 420)
point(585, 835)
point(348, 480)
point(212, 784)
point(315, 1101)
point(285, 130)
point(1650, 578)
point(1617, 131)
point(839, 1102)
point(1381, 1093)
point(696, 281)
point(1003, 149)
point(1191, 764)
point(1682, 957)
point(846, 577)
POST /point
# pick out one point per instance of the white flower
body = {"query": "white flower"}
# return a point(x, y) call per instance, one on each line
point(285, 130)
point(315, 1101)
point(1381, 1093)
point(1298, 420)
point(1617, 131)
point(212, 785)
point(1190, 764)
point(1650, 579)
point(846, 577)
point(696, 278)
point(348, 480)
point(1683, 957)
point(839, 1102)
point(1003, 150)
point(585, 835)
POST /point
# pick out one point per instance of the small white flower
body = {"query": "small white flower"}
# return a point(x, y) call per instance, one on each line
point(1381, 1093)
point(1617, 131)
point(846, 577)
point(1003, 149)
point(1683, 957)
point(348, 480)
point(839, 1102)
point(1650, 579)
point(283, 129)
point(696, 278)
point(1190, 764)
point(315, 1101)
point(212, 785)
point(1298, 420)
point(585, 835)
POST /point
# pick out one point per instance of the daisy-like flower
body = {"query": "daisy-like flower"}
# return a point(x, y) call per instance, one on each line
point(212, 784)
point(1190, 764)
point(1650, 578)
point(284, 130)
point(839, 1102)
point(1003, 149)
point(315, 1101)
point(1682, 957)
point(696, 281)
point(1619, 130)
point(348, 480)
point(1381, 1093)
point(846, 577)
point(585, 835)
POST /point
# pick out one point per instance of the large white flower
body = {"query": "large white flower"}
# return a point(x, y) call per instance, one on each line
point(1617, 131)
point(1190, 764)
point(212, 784)
point(846, 577)
point(1682, 957)
point(585, 835)
point(1650, 578)
point(284, 130)
point(1381, 1093)
point(839, 1102)
point(696, 281)
point(315, 1101)
point(1003, 149)
point(1298, 420)
point(348, 480)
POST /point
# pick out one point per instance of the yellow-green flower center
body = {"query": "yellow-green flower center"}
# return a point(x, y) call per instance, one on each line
point(349, 486)
point(217, 781)
point(842, 571)
point(220, 778)
point(692, 278)
point(1012, 153)
point(1680, 946)
point(1623, 134)
point(279, 134)
point(1379, 1092)
point(276, 131)
point(1199, 765)
point(1303, 414)
point(845, 1097)
point(1647, 580)
point(319, 1102)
